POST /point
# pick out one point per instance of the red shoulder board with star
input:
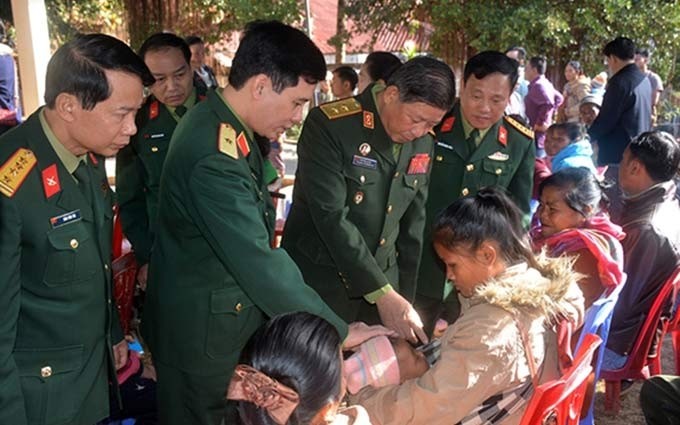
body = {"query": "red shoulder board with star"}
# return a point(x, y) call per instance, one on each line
point(503, 136)
point(242, 143)
point(50, 181)
point(447, 125)
point(154, 110)
point(15, 170)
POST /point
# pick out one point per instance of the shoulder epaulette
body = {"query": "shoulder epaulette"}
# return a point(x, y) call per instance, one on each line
point(341, 108)
point(15, 170)
point(520, 127)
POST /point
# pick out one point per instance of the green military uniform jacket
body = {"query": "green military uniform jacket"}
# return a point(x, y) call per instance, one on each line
point(138, 174)
point(57, 321)
point(213, 276)
point(357, 217)
point(504, 158)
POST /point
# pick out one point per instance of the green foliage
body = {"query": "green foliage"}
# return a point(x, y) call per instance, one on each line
point(66, 18)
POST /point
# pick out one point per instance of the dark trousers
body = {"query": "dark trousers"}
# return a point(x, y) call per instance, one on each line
point(660, 400)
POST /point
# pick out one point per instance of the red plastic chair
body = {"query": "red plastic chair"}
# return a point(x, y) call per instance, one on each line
point(124, 279)
point(559, 402)
point(117, 239)
point(639, 365)
point(671, 326)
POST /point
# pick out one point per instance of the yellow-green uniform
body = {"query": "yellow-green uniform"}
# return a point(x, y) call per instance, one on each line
point(356, 222)
point(213, 277)
point(504, 157)
point(138, 171)
point(57, 321)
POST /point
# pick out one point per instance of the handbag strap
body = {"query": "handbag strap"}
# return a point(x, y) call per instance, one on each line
point(527, 351)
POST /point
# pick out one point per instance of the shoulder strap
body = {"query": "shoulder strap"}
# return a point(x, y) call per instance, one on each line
point(527, 351)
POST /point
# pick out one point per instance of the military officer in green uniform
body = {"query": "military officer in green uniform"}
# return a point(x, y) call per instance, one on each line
point(476, 147)
point(213, 276)
point(356, 223)
point(60, 340)
point(139, 165)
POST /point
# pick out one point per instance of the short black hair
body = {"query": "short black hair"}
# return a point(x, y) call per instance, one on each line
point(163, 41)
point(659, 152)
point(620, 47)
point(279, 51)
point(521, 52)
point(193, 39)
point(347, 73)
point(575, 131)
point(492, 62)
point(301, 351)
point(427, 80)
point(580, 188)
point(380, 65)
point(539, 63)
point(645, 53)
point(78, 68)
point(576, 65)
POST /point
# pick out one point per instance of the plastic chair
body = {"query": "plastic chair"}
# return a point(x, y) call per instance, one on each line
point(124, 279)
point(597, 321)
point(560, 401)
point(117, 239)
point(638, 365)
point(671, 326)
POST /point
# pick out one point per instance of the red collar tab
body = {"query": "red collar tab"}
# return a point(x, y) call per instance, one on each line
point(154, 110)
point(50, 180)
point(447, 125)
point(503, 136)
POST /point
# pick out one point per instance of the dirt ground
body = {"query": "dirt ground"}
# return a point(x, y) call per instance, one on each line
point(630, 403)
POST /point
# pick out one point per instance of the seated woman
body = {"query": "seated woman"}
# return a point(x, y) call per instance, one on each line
point(573, 222)
point(502, 345)
point(290, 373)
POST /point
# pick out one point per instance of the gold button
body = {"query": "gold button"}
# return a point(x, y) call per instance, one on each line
point(238, 307)
point(382, 241)
point(465, 191)
point(154, 148)
point(46, 372)
point(74, 243)
point(498, 171)
point(389, 209)
point(396, 174)
point(362, 179)
point(439, 158)
point(470, 168)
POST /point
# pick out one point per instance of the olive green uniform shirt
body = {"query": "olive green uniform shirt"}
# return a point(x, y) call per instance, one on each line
point(57, 320)
point(138, 171)
point(213, 276)
point(356, 222)
point(504, 157)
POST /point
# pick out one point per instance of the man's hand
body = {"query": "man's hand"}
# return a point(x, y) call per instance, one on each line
point(142, 276)
point(360, 332)
point(398, 314)
point(120, 354)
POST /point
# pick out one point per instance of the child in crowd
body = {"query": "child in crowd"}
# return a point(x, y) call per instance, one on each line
point(572, 221)
point(502, 345)
point(290, 373)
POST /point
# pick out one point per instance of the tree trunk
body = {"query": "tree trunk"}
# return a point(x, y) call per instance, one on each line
point(341, 34)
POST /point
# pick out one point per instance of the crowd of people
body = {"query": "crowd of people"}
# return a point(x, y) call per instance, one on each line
point(436, 238)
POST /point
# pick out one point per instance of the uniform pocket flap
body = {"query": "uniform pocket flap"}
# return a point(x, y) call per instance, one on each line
point(414, 180)
point(365, 178)
point(68, 237)
point(495, 167)
point(229, 300)
point(46, 362)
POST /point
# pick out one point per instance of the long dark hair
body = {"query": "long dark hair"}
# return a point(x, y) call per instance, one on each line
point(488, 215)
point(301, 351)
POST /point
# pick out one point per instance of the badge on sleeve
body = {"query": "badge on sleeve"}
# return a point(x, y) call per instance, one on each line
point(503, 136)
point(368, 119)
point(242, 143)
point(447, 125)
point(50, 181)
point(226, 140)
point(419, 164)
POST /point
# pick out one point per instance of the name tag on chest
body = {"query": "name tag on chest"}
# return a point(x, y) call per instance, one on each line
point(63, 219)
point(361, 161)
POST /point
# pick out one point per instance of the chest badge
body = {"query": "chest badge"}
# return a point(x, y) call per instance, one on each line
point(358, 197)
point(499, 156)
point(63, 219)
point(364, 149)
point(419, 164)
point(363, 162)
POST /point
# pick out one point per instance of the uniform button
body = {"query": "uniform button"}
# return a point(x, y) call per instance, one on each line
point(362, 179)
point(154, 148)
point(470, 168)
point(238, 307)
point(382, 241)
point(438, 158)
point(498, 171)
point(415, 182)
point(396, 174)
point(74, 243)
point(389, 209)
point(465, 191)
point(109, 301)
point(266, 213)
point(106, 266)
point(46, 372)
